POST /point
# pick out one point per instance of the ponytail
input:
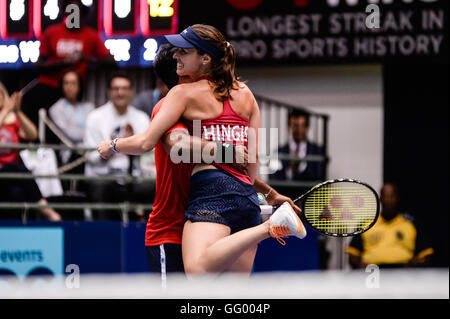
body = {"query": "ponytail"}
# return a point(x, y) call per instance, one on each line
point(222, 69)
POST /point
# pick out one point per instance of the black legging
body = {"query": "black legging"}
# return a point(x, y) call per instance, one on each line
point(17, 190)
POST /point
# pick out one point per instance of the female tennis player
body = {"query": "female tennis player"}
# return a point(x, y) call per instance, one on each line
point(223, 216)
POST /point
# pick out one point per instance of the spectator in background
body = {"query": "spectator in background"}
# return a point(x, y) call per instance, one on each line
point(69, 113)
point(64, 47)
point(16, 126)
point(394, 241)
point(116, 118)
point(298, 145)
point(146, 100)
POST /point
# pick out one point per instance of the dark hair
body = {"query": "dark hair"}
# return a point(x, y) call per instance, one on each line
point(296, 113)
point(166, 66)
point(80, 84)
point(119, 74)
point(394, 185)
point(223, 70)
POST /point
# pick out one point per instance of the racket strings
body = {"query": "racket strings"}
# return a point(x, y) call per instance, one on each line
point(341, 208)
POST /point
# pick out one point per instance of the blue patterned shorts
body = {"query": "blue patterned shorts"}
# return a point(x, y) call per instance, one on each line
point(218, 197)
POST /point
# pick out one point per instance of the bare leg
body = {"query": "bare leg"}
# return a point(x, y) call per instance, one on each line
point(244, 263)
point(209, 247)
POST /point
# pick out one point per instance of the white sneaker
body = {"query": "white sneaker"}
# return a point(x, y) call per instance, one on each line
point(285, 222)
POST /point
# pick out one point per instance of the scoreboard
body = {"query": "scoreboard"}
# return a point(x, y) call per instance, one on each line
point(132, 29)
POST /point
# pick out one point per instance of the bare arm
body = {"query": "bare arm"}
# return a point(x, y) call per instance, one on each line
point(272, 196)
point(171, 111)
point(416, 261)
point(28, 130)
point(254, 125)
point(180, 141)
point(7, 108)
point(4, 111)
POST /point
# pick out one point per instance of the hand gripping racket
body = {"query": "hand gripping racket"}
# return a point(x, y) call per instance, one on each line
point(339, 208)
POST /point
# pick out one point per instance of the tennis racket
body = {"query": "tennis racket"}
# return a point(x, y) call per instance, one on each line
point(338, 208)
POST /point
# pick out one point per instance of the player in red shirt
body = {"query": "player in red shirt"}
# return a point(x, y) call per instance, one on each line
point(63, 48)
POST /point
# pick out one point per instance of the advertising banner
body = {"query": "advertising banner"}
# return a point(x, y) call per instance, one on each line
point(327, 31)
point(31, 251)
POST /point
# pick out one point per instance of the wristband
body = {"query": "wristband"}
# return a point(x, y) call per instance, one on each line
point(113, 145)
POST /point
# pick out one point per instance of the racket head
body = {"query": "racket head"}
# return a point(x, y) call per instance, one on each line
point(340, 207)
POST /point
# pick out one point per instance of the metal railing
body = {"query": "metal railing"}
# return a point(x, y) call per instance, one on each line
point(137, 179)
point(274, 114)
point(126, 207)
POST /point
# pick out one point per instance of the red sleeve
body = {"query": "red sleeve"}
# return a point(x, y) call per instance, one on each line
point(177, 126)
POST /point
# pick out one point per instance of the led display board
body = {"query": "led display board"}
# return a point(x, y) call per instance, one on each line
point(132, 29)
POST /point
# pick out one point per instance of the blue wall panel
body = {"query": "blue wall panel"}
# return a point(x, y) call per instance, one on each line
point(110, 247)
point(297, 254)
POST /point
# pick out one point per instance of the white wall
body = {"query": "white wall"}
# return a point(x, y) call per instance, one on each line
point(351, 95)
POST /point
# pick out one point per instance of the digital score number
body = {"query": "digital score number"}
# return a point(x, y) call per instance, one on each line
point(159, 17)
point(132, 29)
point(154, 17)
point(15, 19)
point(27, 19)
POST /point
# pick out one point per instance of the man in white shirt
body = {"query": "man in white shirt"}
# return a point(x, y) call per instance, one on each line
point(114, 119)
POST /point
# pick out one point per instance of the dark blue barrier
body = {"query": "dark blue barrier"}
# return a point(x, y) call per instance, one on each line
point(110, 247)
point(297, 254)
point(95, 247)
point(134, 255)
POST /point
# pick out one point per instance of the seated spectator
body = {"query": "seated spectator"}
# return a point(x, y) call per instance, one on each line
point(16, 126)
point(116, 118)
point(394, 241)
point(69, 114)
point(298, 145)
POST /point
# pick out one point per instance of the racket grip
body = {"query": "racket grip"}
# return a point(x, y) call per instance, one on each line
point(266, 209)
